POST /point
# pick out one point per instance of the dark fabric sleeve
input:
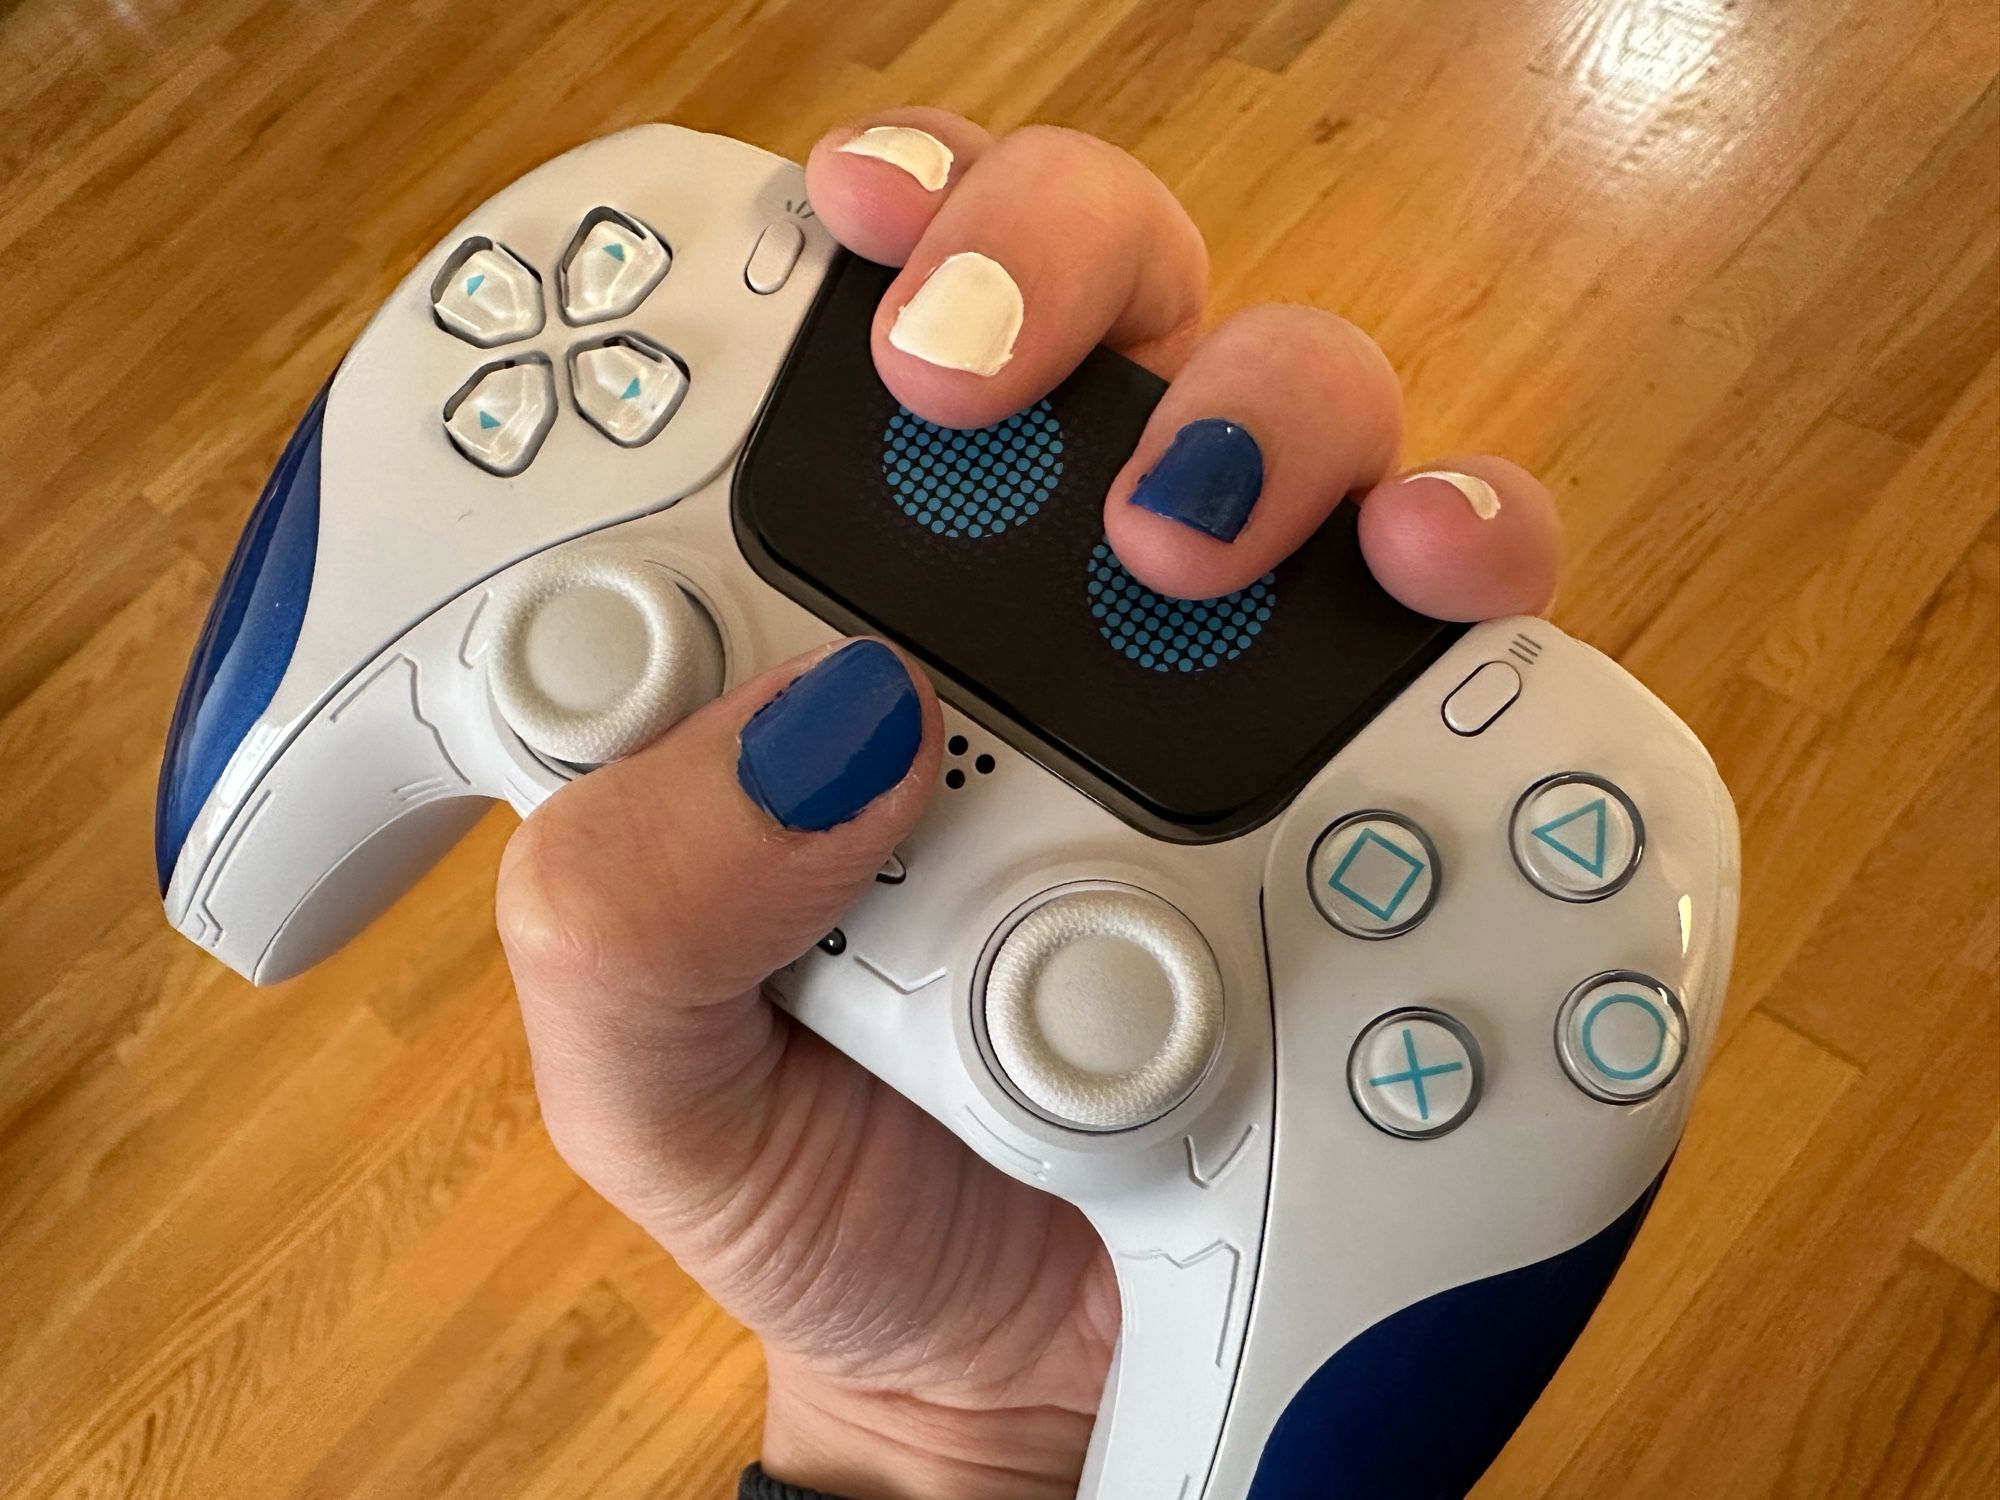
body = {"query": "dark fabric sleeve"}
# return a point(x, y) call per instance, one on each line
point(757, 1485)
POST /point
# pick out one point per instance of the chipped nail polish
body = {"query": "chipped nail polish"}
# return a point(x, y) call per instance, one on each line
point(1481, 496)
point(917, 152)
point(1209, 478)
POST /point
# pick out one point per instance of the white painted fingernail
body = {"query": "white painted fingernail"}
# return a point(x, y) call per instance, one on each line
point(965, 316)
point(917, 152)
point(1481, 496)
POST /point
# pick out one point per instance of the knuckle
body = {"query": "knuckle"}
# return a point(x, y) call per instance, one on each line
point(1314, 340)
point(1296, 325)
point(1052, 144)
point(543, 905)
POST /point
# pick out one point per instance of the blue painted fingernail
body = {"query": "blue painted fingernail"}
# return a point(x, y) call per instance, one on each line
point(838, 737)
point(1208, 478)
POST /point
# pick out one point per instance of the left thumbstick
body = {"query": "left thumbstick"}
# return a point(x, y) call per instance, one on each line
point(597, 653)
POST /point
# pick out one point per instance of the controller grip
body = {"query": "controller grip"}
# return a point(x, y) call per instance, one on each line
point(1184, 1318)
point(1418, 1406)
point(363, 801)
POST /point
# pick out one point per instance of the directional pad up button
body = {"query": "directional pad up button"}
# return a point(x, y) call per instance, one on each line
point(1577, 836)
point(612, 262)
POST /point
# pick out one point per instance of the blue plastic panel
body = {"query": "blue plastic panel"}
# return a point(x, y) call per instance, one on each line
point(1418, 1406)
point(247, 641)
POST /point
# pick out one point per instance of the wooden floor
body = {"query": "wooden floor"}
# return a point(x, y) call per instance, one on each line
point(1723, 270)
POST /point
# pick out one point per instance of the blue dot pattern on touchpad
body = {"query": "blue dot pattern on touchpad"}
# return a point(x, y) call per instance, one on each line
point(1174, 635)
point(976, 483)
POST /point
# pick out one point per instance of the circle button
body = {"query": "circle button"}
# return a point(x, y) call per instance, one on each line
point(1415, 1073)
point(1577, 837)
point(1374, 874)
point(1103, 1008)
point(1621, 1036)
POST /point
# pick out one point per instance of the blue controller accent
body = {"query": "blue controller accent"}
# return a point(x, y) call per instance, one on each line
point(246, 642)
point(976, 483)
point(1174, 635)
point(1418, 1406)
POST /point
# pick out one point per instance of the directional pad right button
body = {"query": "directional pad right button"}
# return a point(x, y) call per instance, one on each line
point(1577, 837)
point(627, 387)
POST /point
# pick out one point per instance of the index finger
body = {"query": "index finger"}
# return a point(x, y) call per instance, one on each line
point(1048, 244)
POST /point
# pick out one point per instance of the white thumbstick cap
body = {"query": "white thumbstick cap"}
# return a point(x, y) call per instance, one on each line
point(597, 653)
point(1103, 1007)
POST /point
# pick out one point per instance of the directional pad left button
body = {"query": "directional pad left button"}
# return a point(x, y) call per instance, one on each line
point(486, 295)
point(499, 417)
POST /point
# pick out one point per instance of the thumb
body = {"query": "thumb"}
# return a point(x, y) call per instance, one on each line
point(643, 904)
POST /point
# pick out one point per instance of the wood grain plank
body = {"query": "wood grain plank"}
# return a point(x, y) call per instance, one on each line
point(1913, 1368)
point(1842, 618)
point(1964, 1227)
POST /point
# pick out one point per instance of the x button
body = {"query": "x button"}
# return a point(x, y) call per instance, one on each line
point(1415, 1073)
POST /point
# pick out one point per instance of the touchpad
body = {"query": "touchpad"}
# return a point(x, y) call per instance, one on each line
point(983, 553)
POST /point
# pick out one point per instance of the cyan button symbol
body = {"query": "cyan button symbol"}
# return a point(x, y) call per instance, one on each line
point(1643, 1044)
point(1415, 1075)
point(1388, 876)
point(1584, 840)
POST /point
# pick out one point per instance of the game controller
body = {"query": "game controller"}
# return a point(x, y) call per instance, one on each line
point(1350, 970)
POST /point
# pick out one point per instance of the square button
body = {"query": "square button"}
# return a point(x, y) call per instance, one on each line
point(1374, 874)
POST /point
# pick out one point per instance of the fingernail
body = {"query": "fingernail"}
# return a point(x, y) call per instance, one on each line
point(917, 152)
point(838, 737)
point(1209, 478)
point(1481, 496)
point(965, 316)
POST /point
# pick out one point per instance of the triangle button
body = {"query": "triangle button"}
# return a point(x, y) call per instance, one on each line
point(1578, 835)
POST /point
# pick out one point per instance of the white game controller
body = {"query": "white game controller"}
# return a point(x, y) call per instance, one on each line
point(1361, 1025)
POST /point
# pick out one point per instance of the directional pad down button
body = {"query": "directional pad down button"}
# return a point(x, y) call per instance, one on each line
point(499, 417)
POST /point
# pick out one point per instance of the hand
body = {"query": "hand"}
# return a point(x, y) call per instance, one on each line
point(931, 1326)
